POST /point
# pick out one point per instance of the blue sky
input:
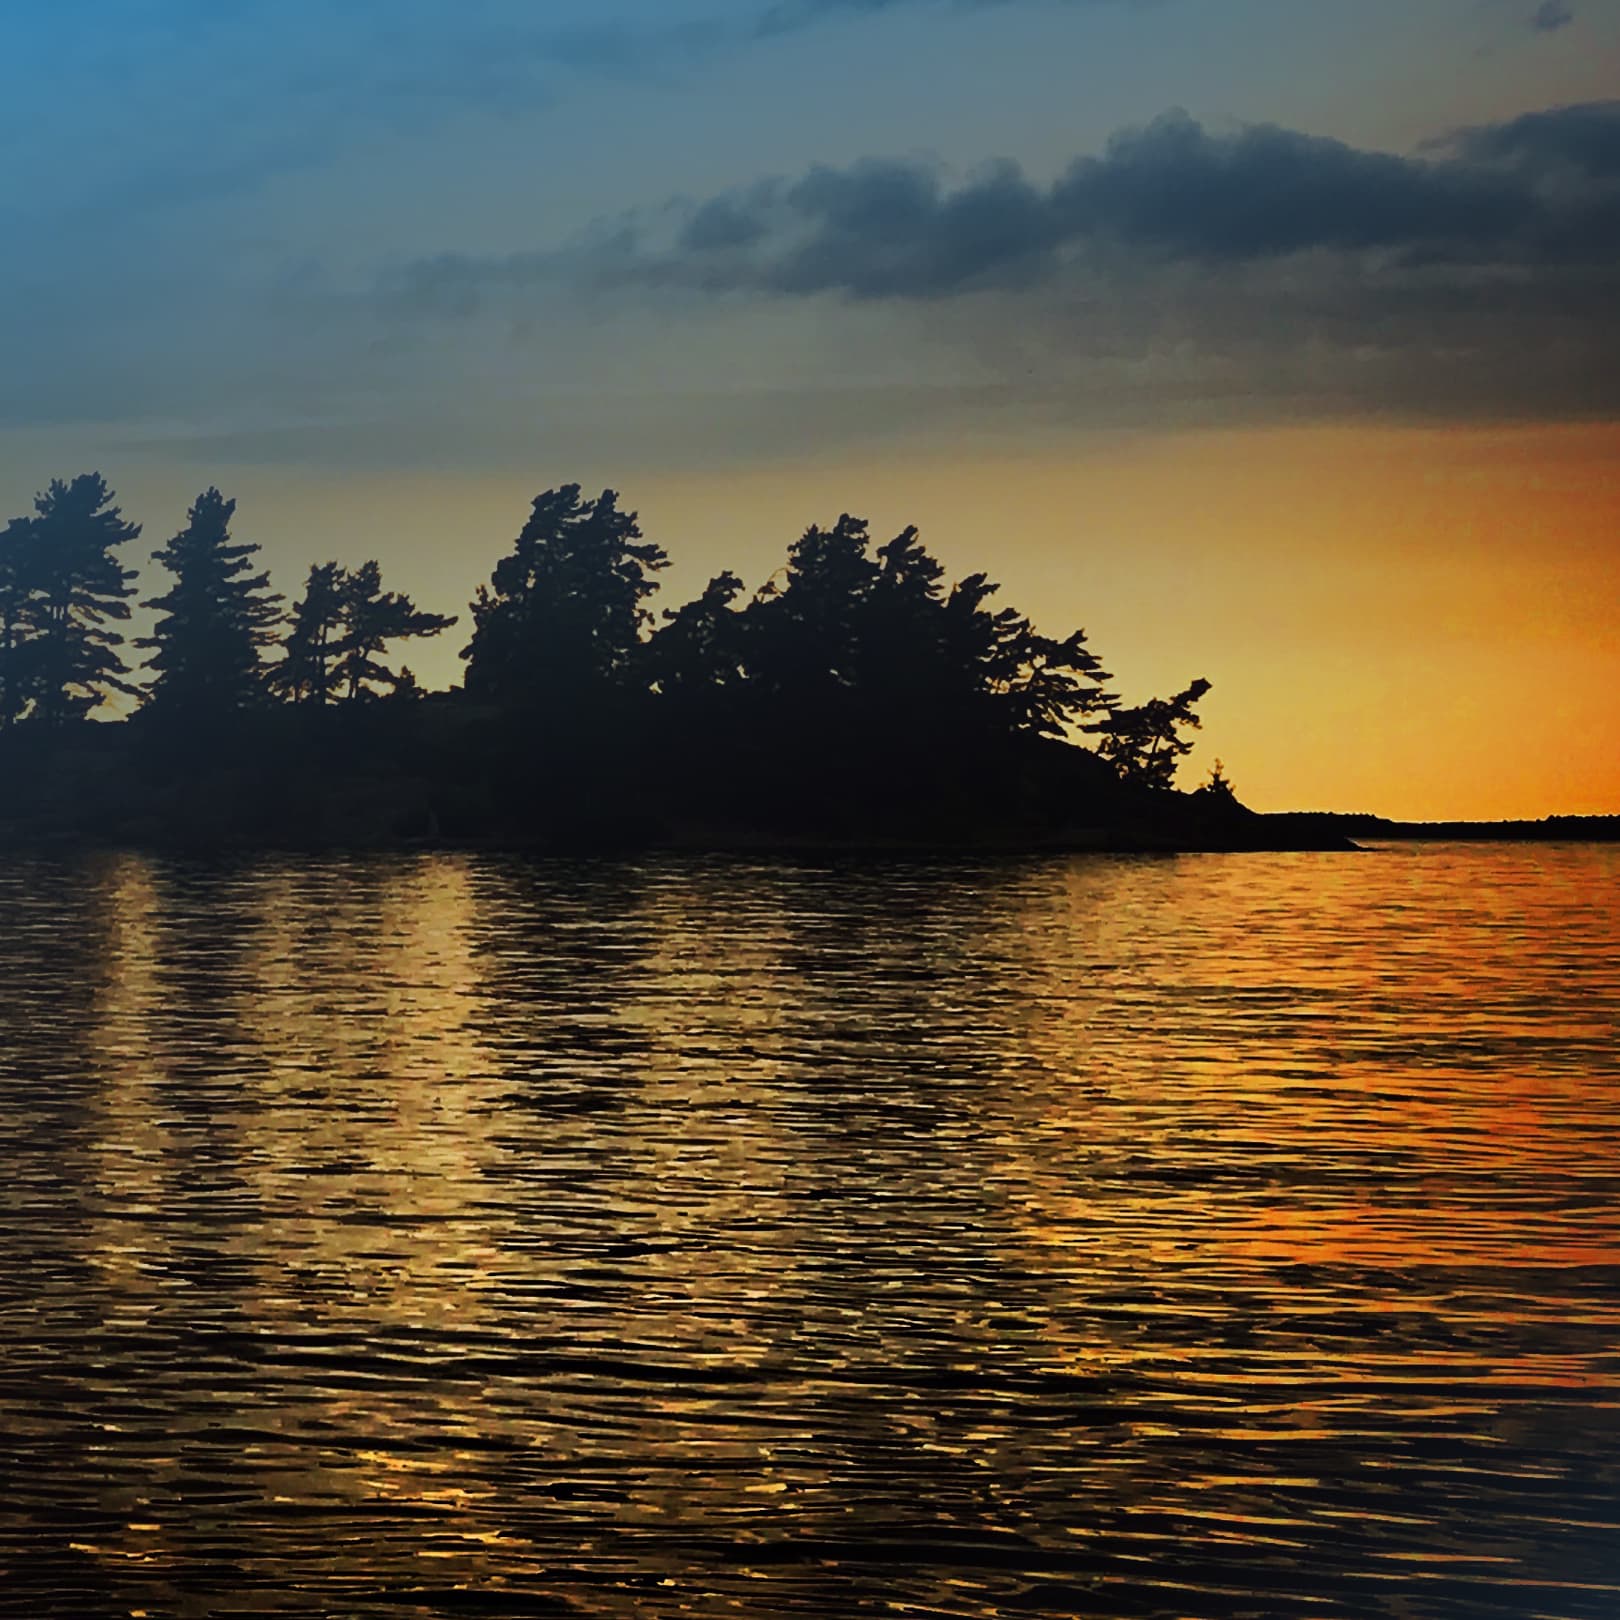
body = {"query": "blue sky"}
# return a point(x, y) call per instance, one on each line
point(220, 202)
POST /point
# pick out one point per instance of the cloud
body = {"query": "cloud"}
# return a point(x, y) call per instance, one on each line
point(1481, 275)
point(1581, 143)
point(1540, 192)
point(1551, 15)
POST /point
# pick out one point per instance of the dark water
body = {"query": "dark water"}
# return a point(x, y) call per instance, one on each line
point(454, 1236)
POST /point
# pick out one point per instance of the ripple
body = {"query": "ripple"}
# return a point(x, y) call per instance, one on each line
point(455, 1235)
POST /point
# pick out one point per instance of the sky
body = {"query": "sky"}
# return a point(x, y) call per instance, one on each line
point(1270, 342)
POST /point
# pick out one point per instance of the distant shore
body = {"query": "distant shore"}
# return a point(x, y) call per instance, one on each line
point(1550, 829)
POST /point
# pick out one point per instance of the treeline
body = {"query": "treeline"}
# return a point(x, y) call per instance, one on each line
point(857, 693)
point(843, 628)
point(221, 645)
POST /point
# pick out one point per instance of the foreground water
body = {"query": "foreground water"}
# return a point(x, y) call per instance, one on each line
point(1215, 1236)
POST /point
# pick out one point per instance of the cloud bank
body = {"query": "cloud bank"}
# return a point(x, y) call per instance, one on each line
point(1536, 195)
point(1478, 276)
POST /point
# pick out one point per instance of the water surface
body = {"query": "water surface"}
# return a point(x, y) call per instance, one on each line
point(1212, 1236)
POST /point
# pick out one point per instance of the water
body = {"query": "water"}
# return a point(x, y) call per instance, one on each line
point(1215, 1236)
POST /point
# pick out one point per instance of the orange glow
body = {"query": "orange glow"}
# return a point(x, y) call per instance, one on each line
point(1417, 622)
point(1414, 621)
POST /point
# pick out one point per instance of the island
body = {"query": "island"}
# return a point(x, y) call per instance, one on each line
point(857, 699)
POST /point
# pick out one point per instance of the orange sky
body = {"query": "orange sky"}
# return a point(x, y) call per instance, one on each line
point(1416, 622)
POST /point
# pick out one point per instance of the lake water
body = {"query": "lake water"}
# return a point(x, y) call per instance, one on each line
point(453, 1235)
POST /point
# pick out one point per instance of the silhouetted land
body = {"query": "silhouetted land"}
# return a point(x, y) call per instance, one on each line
point(442, 771)
point(855, 698)
point(1550, 829)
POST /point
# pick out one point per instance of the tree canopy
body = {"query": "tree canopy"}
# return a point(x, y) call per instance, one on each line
point(214, 622)
point(341, 627)
point(63, 591)
point(562, 616)
point(857, 673)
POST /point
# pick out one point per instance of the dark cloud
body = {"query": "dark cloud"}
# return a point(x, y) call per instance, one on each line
point(1481, 275)
point(1529, 195)
point(1551, 15)
point(1581, 142)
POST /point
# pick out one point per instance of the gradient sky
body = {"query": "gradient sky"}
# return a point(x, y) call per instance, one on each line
point(1274, 342)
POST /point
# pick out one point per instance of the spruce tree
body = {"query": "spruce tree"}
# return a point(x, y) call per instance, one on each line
point(76, 588)
point(214, 621)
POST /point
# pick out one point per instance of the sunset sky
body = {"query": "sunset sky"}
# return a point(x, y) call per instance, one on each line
point(1273, 342)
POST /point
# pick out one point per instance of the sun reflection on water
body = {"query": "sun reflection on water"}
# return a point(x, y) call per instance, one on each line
point(397, 1236)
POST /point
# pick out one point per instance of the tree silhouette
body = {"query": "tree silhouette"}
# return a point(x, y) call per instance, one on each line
point(371, 618)
point(74, 587)
point(698, 650)
point(1001, 667)
point(314, 642)
point(17, 549)
point(857, 694)
point(214, 621)
point(563, 611)
point(1143, 743)
point(1218, 786)
point(805, 634)
point(340, 628)
point(903, 644)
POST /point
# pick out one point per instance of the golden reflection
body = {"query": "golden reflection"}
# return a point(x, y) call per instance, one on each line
point(131, 1144)
point(375, 1088)
point(508, 1216)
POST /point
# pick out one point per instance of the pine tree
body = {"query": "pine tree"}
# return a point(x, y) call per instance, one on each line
point(697, 651)
point(562, 616)
point(75, 587)
point(18, 547)
point(371, 618)
point(1017, 679)
point(214, 621)
point(1143, 742)
point(806, 634)
point(340, 627)
point(307, 672)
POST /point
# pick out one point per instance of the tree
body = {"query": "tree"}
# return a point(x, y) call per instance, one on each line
point(1219, 785)
point(1143, 743)
point(214, 621)
point(902, 670)
point(75, 586)
point(698, 649)
point(340, 627)
point(1004, 668)
point(805, 635)
point(563, 614)
point(371, 618)
point(307, 670)
point(17, 551)
point(876, 641)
